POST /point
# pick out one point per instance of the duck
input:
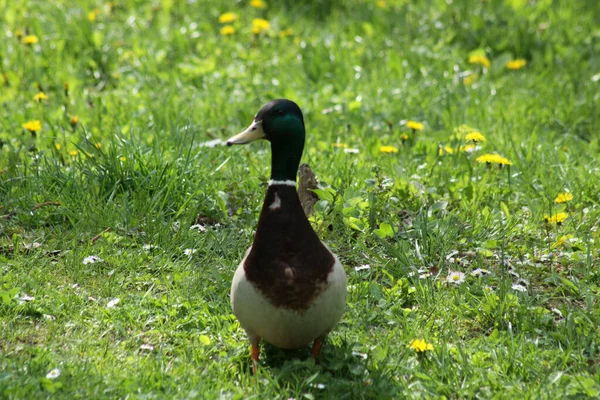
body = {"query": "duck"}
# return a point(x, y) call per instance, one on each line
point(289, 289)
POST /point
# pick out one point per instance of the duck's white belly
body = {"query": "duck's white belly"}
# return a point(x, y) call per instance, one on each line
point(285, 328)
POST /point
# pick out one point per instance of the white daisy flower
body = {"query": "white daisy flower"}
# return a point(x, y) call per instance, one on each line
point(189, 252)
point(113, 303)
point(148, 347)
point(53, 374)
point(351, 151)
point(480, 272)
point(455, 277)
point(200, 228)
point(92, 260)
point(519, 288)
point(362, 267)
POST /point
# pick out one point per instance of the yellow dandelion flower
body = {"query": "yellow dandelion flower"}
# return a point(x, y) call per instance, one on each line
point(556, 219)
point(493, 159)
point(420, 346)
point(93, 14)
point(446, 149)
point(228, 18)
point(260, 25)
point(562, 241)
point(475, 137)
point(33, 126)
point(480, 59)
point(469, 148)
point(470, 79)
point(40, 96)
point(380, 3)
point(404, 137)
point(74, 120)
point(388, 149)
point(227, 30)
point(563, 197)
point(414, 125)
point(123, 158)
point(19, 33)
point(340, 145)
point(258, 4)
point(286, 32)
point(58, 146)
point(73, 153)
point(98, 145)
point(30, 39)
point(516, 64)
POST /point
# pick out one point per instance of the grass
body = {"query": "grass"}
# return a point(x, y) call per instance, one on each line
point(152, 82)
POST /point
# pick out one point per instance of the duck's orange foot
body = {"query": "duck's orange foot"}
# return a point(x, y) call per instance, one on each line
point(316, 349)
point(255, 354)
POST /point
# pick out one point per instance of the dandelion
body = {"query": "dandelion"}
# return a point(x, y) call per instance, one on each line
point(122, 158)
point(563, 197)
point(113, 303)
point(30, 39)
point(414, 125)
point(33, 126)
point(53, 374)
point(420, 346)
point(93, 14)
point(518, 287)
point(228, 18)
point(455, 277)
point(480, 59)
point(404, 137)
point(556, 219)
point(493, 159)
point(475, 137)
point(260, 25)
point(40, 96)
point(227, 30)
point(73, 153)
point(388, 149)
point(286, 32)
point(73, 121)
point(91, 259)
point(189, 252)
point(258, 4)
point(58, 146)
point(470, 148)
point(470, 79)
point(516, 64)
point(381, 3)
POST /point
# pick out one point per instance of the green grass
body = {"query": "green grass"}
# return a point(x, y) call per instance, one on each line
point(152, 81)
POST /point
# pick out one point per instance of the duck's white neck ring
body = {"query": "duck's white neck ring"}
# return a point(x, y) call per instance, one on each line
point(274, 182)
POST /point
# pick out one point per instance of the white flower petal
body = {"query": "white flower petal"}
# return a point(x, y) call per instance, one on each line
point(53, 374)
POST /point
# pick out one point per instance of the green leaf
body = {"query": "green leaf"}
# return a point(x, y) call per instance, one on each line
point(205, 340)
point(385, 230)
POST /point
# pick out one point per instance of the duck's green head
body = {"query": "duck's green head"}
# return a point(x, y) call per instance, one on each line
point(281, 123)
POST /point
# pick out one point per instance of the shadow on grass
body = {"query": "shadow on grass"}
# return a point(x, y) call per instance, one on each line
point(337, 372)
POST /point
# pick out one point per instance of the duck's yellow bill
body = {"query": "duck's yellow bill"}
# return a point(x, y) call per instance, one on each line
point(252, 133)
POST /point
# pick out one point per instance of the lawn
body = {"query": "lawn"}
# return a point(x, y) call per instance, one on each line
point(457, 149)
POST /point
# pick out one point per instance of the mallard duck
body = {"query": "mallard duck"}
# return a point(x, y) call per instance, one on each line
point(289, 289)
